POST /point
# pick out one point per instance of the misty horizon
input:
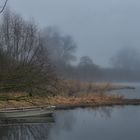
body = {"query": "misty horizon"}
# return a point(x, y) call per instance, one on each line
point(100, 28)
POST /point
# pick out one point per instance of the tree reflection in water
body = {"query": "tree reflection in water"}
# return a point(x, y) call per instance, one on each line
point(65, 122)
point(25, 132)
point(68, 123)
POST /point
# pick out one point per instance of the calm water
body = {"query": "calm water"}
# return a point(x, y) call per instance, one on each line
point(105, 123)
point(129, 93)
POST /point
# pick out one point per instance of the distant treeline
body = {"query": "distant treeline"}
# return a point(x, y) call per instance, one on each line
point(125, 64)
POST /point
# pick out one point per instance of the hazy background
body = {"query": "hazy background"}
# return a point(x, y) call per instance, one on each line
point(100, 27)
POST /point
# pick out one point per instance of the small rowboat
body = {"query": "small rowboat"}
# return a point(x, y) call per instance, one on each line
point(26, 112)
point(26, 120)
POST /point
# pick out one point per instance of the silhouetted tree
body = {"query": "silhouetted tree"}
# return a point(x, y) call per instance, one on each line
point(87, 70)
point(61, 48)
point(127, 58)
point(85, 61)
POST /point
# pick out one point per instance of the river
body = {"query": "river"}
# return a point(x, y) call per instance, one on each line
point(102, 123)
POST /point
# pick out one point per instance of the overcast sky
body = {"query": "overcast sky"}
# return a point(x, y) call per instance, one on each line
point(100, 27)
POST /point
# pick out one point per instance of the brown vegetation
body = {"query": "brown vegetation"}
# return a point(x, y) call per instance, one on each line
point(89, 99)
point(78, 88)
point(69, 92)
point(24, 101)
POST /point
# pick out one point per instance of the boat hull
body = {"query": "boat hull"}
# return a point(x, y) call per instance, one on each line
point(26, 113)
point(26, 120)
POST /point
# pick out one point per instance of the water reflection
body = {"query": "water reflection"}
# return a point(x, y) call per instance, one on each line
point(74, 124)
point(25, 132)
point(106, 123)
point(127, 93)
point(118, 123)
point(64, 121)
point(32, 128)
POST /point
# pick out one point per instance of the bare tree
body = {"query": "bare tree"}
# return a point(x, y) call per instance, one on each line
point(61, 47)
point(24, 61)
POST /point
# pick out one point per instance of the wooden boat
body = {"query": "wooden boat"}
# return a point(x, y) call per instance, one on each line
point(26, 120)
point(26, 112)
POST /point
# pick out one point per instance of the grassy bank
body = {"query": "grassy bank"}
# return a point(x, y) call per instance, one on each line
point(65, 102)
point(71, 93)
point(17, 102)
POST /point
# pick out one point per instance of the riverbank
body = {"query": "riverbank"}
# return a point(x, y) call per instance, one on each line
point(82, 95)
point(92, 101)
point(25, 101)
point(124, 102)
point(62, 102)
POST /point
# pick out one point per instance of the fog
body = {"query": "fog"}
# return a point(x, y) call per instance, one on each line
point(84, 40)
point(100, 28)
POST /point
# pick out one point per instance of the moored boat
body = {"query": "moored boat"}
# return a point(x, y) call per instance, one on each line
point(26, 112)
point(26, 120)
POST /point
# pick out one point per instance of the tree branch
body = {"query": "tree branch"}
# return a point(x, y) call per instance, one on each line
point(3, 6)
